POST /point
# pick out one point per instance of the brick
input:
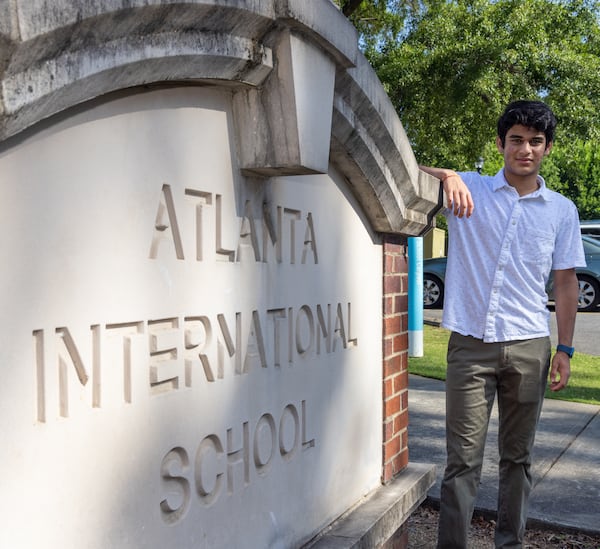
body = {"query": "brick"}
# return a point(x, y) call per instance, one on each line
point(401, 380)
point(400, 422)
point(400, 342)
point(388, 263)
point(404, 401)
point(400, 462)
point(393, 248)
point(400, 264)
point(391, 325)
point(388, 430)
point(399, 383)
point(391, 406)
point(392, 284)
point(388, 388)
point(392, 366)
point(388, 347)
point(388, 473)
point(391, 449)
point(403, 320)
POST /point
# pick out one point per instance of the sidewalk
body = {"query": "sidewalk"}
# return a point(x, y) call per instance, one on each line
point(566, 461)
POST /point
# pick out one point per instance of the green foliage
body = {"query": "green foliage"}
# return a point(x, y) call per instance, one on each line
point(584, 384)
point(379, 21)
point(573, 169)
point(450, 67)
point(462, 61)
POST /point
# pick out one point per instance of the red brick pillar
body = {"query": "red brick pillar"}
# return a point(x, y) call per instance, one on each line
point(395, 356)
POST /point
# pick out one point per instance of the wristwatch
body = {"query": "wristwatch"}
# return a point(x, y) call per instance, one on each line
point(565, 349)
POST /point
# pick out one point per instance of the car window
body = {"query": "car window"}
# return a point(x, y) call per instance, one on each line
point(591, 245)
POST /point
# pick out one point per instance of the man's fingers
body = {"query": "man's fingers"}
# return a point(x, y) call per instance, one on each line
point(460, 202)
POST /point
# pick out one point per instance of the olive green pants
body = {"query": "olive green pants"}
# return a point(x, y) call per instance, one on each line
point(515, 371)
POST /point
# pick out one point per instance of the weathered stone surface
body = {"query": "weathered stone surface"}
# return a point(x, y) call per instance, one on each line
point(377, 518)
point(56, 55)
point(285, 126)
point(373, 149)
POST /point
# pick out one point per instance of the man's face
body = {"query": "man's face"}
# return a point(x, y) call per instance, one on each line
point(524, 149)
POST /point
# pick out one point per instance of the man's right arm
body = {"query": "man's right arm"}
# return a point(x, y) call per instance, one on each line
point(458, 195)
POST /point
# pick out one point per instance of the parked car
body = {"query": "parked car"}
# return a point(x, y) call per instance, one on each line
point(590, 227)
point(434, 275)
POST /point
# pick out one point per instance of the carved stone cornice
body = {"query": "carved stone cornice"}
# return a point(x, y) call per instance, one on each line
point(303, 95)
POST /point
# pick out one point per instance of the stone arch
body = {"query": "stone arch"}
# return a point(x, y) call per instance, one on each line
point(56, 55)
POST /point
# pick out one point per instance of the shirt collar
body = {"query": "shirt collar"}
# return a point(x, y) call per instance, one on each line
point(499, 182)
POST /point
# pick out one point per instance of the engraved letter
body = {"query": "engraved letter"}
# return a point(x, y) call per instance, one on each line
point(306, 312)
point(287, 453)
point(165, 219)
point(226, 344)
point(210, 444)
point(125, 332)
point(229, 255)
point(75, 359)
point(340, 331)
point(269, 232)
point(173, 471)
point(238, 456)
point(256, 343)
point(203, 198)
point(310, 240)
point(40, 370)
point(165, 361)
point(293, 215)
point(264, 435)
point(323, 328)
point(248, 237)
point(198, 336)
point(306, 444)
point(352, 341)
point(276, 315)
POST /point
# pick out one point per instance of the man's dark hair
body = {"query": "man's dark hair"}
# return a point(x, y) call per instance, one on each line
point(531, 114)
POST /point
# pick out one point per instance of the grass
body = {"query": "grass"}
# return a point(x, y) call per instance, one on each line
point(584, 384)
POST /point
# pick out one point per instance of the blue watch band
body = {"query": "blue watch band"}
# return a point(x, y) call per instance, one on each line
point(568, 350)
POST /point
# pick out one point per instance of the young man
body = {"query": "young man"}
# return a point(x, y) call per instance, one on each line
point(507, 233)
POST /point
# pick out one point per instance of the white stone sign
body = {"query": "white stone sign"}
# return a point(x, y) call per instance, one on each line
point(190, 357)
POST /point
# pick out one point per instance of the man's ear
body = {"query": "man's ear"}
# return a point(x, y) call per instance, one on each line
point(499, 145)
point(548, 148)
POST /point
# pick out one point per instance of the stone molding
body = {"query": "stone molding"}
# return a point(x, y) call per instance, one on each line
point(278, 58)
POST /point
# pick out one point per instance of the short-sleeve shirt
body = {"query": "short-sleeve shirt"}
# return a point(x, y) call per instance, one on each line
point(500, 258)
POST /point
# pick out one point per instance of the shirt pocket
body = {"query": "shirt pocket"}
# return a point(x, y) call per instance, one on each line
point(537, 248)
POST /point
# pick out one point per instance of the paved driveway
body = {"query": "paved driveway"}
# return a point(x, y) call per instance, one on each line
point(587, 329)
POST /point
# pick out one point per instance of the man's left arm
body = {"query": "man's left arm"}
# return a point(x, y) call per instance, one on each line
point(566, 295)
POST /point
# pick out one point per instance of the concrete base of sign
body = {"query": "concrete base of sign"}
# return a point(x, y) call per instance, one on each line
point(376, 518)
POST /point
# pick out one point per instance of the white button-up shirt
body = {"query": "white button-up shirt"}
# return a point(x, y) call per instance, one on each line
point(500, 258)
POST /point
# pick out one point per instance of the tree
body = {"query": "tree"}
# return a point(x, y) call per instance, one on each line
point(464, 60)
point(379, 22)
point(450, 66)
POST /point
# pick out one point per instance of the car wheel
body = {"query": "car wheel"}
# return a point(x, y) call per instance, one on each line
point(433, 292)
point(589, 293)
